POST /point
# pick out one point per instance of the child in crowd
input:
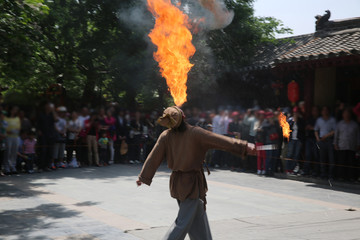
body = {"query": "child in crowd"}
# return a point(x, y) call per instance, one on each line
point(23, 163)
point(29, 151)
point(103, 145)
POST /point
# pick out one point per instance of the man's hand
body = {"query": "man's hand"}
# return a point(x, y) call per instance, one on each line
point(138, 182)
point(250, 149)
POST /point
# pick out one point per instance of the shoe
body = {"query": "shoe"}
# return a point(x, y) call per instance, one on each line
point(216, 166)
point(131, 162)
point(137, 161)
point(53, 167)
point(263, 172)
point(30, 171)
point(61, 165)
point(258, 172)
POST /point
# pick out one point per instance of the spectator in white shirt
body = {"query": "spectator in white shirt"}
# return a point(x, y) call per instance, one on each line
point(346, 142)
point(324, 132)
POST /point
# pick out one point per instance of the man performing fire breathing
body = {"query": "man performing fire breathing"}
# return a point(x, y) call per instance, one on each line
point(184, 148)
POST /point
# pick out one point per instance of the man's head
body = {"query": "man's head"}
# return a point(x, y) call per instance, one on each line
point(260, 115)
point(347, 114)
point(296, 112)
point(325, 112)
point(302, 107)
point(84, 111)
point(74, 115)
point(172, 117)
point(235, 116)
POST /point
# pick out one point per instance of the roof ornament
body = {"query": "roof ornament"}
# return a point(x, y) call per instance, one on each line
point(322, 21)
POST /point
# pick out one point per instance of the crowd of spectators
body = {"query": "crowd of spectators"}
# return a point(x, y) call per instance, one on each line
point(57, 138)
point(320, 144)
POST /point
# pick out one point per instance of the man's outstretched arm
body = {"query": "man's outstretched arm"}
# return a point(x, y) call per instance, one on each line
point(152, 162)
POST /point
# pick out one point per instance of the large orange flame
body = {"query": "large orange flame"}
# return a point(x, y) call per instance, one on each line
point(172, 37)
point(285, 125)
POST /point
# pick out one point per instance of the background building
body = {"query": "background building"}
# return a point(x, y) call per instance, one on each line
point(325, 64)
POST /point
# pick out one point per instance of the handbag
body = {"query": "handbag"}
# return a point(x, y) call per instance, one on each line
point(123, 147)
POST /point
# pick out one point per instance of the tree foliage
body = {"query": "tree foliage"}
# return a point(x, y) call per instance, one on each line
point(97, 56)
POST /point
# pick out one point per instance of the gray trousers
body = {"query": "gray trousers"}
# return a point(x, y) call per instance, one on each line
point(192, 220)
point(12, 145)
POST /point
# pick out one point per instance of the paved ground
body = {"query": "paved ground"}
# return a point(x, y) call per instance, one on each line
point(104, 203)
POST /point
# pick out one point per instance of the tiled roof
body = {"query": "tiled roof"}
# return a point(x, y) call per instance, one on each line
point(267, 53)
point(341, 38)
point(346, 42)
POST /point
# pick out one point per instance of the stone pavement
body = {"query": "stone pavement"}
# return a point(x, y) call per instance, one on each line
point(104, 203)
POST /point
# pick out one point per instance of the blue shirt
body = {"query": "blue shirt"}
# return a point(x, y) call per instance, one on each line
point(325, 126)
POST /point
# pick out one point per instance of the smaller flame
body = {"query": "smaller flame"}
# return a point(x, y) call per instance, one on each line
point(285, 126)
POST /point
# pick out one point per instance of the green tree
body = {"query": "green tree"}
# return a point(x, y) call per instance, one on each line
point(19, 33)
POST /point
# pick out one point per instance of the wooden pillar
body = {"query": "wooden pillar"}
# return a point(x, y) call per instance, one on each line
point(309, 84)
point(325, 86)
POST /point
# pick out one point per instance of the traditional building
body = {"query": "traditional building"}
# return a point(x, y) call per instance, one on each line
point(325, 64)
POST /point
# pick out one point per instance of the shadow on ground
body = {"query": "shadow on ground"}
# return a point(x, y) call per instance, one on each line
point(8, 190)
point(22, 223)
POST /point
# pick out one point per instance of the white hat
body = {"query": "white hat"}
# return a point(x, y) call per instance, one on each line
point(61, 109)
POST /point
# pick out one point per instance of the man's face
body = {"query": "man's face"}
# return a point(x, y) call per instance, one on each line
point(62, 114)
point(325, 112)
point(74, 115)
point(346, 116)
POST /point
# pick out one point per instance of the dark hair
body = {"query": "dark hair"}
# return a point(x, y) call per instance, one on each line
point(349, 110)
point(12, 108)
point(182, 127)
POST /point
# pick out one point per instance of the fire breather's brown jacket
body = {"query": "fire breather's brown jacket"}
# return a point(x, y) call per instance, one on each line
point(185, 154)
